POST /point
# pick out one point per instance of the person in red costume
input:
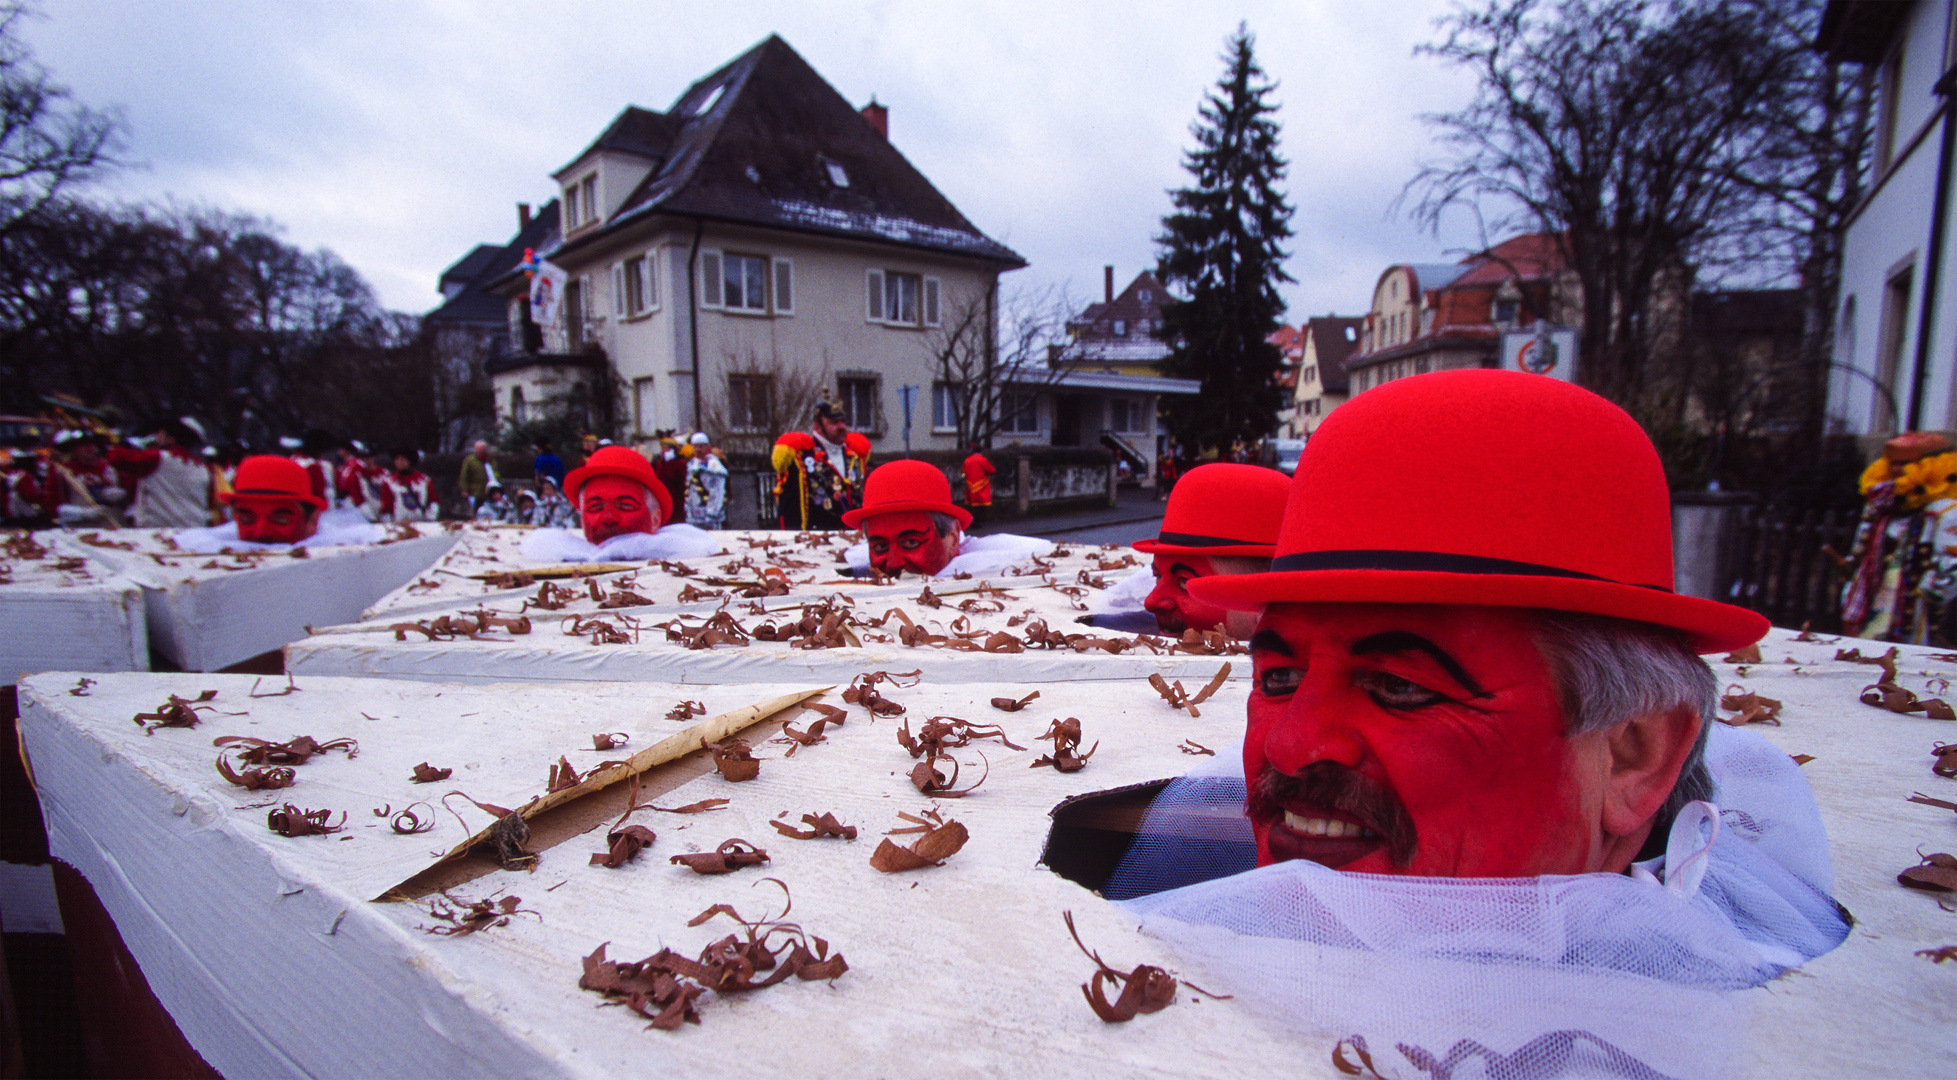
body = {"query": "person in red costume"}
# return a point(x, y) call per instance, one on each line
point(1221, 519)
point(909, 520)
point(406, 493)
point(910, 525)
point(273, 501)
point(617, 492)
point(978, 478)
point(1488, 677)
point(171, 479)
point(819, 473)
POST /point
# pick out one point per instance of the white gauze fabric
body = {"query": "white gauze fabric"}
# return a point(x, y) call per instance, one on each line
point(676, 541)
point(977, 555)
point(337, 528)
point(1584, 975)
point(1125, 595)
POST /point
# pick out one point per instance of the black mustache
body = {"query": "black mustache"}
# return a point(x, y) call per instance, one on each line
point(1331, 786)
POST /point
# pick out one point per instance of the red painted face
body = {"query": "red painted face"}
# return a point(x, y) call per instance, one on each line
point(613, 505)
point(1416, 739)
point(268, 519)
point(1174, 609)
point(907, 541)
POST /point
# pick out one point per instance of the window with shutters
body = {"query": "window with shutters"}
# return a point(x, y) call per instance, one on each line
point(900, 298)
point(747, 402)
point(856, 393)
point(633, 291)
point(747, 284)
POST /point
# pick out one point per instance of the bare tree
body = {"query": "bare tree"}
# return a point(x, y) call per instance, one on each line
point(760, 397)
point(47, 141)
point(997, 355)
point(1628, 128)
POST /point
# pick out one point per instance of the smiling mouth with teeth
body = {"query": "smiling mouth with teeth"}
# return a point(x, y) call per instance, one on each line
point(1332, 828)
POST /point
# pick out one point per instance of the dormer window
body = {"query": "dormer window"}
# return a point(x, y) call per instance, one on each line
point(1145, 296)
point(1121, 328)
point(581, 201)
point(711, 100)
point(837, 174)
point(1505, 311)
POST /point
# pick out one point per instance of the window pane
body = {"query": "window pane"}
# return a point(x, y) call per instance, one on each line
point(755, 283)
point(732, 283)
point(784, 285)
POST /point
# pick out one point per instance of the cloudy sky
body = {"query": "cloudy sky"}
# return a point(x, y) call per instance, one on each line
point(401, 133)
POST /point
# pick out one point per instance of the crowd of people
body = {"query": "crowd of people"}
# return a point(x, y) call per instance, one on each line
point(83, 475)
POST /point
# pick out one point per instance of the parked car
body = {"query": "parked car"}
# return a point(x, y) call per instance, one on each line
point(1288, 451)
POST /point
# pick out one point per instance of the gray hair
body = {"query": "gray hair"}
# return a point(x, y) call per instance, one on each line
point(1240, 564)
point(1608, 671)
point(944, 523)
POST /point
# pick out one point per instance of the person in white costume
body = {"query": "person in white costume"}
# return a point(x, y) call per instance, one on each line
point(706, 485)
point(274, 508)
point(1479, 812)
point(910, 525)
point(624, 509)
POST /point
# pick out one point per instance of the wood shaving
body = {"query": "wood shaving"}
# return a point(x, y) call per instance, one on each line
point(1887, 661)
point(612, 740)
point(551, 597)
point(1195, 749)
point(603, 632)
point(687, 710)
point(562, 776)
point(1748, 655)
point(1925, 800)
point(1006, 704)
point(941, 840)
point(262, 778)
point(730, 856)
point(1896, 699)
point(941, 733)
point(507, 836)
point(407, 822)
point(80, 689)
point(177, 712)
point(819, 825)
point(929, 780)
point(623, 844)
point(295, 751)
point(862, 690)
point(1750, 707)
point(720, 628)
point(1180, 698)
point(1146, 989)
point(291, 687)
point(1066, 744)
point(290, 821)
point(1938, 956)
point(427, 774)
point(464, 919)
point(1936, 873)
point(1946, 755)
point(733, 759)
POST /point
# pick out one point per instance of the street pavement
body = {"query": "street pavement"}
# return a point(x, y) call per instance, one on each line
point(1135, 516)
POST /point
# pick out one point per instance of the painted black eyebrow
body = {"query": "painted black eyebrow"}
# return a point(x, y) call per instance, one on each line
point(1396, 641)
point(1271, 641)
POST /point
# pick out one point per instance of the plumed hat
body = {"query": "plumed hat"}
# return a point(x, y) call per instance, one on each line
point(272, 476)
point(1222, 509)
point(1533, 493)
point(621, 461)
point(896, 486)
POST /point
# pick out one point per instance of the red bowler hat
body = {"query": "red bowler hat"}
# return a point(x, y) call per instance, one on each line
point(1519, 491)
point(273, 477)
point(897, 486)
point(621, 461)
point(1222, 509)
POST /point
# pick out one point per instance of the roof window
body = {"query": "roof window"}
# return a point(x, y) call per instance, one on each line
point(712, 100)
point(837, 174)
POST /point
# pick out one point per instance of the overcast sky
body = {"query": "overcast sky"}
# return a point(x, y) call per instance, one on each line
point(402, 133)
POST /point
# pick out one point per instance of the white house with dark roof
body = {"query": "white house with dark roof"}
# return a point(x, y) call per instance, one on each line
point(759, 237)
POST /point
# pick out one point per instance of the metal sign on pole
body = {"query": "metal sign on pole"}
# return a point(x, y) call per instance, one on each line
point(909, 394)
point(1544, 350)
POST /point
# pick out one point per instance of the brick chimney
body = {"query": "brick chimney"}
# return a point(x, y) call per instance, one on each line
point(878, 116)
point(522, 216)
point(1107, 284)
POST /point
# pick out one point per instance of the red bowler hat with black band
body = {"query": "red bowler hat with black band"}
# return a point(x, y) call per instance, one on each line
point(896, 486)
point(1513, 490)
point(269, 476)
point(625, 462)
point(1222, 509)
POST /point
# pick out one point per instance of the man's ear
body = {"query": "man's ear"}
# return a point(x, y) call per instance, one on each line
point(1646, 755)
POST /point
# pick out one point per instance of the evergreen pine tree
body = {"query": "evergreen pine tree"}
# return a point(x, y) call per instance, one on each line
point(1220, 255)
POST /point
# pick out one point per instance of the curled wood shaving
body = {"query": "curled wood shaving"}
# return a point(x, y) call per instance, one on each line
point(22, 545)
point(819, 825)
point(551, 597)
point(686, 710)
point(1938, 956)
point(1092, 581)
point(95, 540)
point(929, 599)
point(1936, 873)
point(1946, 755)
point(296, 751)
point(1750, 707)
point(623, 844)
point(407, 822)
point(693, 807)
point(1801, 759)
point(1748, 655)
point(929, 781)
point(427, 774)
point(733, 759)
point(291, 821)
point(813, 735)
point(262, 778)
point(862, 690)
point(822, 625)
point(720, 628)
point(612, 740)
point(620, 598)
point(1887, 661)
point(487, 620)
point(1896, 699)
point(1195, 749)
point(625, 632)
point(514, 579)
point(1807, 634)
point(1066, 744)
point(1006, 704)
point(676, 569)
point(730, 856)
point(1365, 1066)
point(940, 733)
point(941, 840)
point(80, 689)
point(562, 775)
point(177, 712)
point(692, 593)
point(464, 919)
point(1180, 698)
point(1146, 989)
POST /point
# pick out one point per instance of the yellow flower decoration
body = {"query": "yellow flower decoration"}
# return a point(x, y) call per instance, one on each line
point(1876, 473)
point(1925, 481)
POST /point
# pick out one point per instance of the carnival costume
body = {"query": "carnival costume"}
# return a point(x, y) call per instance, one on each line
point(915, 485)
point(1902, 571)
point(816, 481)
point(668, 541)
